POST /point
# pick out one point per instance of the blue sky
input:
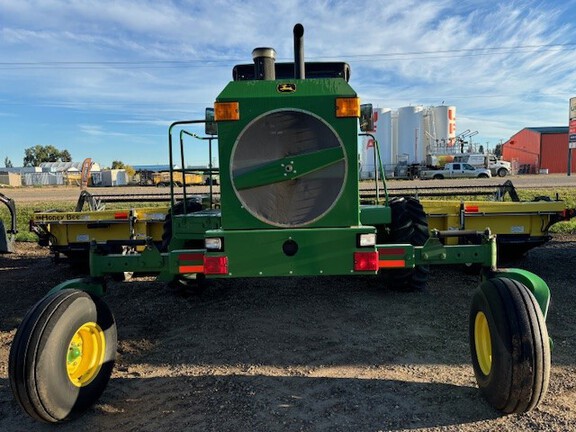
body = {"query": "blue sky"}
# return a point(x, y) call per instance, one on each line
point(105, 78)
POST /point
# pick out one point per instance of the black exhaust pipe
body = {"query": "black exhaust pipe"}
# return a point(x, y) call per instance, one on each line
point(299, 66)
point(264, 68)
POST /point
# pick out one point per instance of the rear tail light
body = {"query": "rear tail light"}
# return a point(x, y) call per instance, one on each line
point(366, 261)
point(216, 265)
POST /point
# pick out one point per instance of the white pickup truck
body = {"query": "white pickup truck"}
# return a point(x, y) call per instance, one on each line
point(496, 166)
point(455, 170)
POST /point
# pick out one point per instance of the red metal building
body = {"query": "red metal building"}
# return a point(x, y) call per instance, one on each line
point(535, 149)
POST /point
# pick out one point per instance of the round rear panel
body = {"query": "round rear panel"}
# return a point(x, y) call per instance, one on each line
point(288, 168)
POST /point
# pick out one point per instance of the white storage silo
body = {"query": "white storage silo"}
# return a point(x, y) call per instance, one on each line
point(411, 145)
point(383, 134)
point(395, 136)
point(444, 127)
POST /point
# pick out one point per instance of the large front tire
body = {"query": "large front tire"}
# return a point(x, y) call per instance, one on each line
point(509, 345)
point(62, 355)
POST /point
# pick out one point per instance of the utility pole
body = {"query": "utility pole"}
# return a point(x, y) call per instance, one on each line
point(571, 133)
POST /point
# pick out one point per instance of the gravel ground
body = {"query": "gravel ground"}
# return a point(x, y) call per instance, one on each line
point(298, 354)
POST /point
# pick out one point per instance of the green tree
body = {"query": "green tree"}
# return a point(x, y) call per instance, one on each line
point(65, 156)
point(34, 156)
point(130, 170)
point(498, 150)
point(120, 165)
point(8, 163)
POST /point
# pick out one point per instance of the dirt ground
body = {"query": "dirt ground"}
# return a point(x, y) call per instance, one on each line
point(298, 354)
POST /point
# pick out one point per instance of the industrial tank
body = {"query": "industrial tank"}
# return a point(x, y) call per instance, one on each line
point(411, 144)
point(383, 133)
point(444, 128)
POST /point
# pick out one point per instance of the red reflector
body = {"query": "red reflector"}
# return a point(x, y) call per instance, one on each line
point(121, 215)
point(471, 209)
point(366, 261)
point(191, 257)
point(392, 251)
point(392, 264)
point(191, 269)
point(216, 265)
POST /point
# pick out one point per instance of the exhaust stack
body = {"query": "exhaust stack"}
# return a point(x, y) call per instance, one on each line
point(264, 59)
point(299, 66)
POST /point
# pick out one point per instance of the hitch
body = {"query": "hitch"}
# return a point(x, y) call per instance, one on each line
point(480, 248)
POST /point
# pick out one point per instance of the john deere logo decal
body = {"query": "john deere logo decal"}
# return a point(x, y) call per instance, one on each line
point(286, 88)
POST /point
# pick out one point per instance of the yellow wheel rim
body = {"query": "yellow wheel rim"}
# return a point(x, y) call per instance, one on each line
point(483, 343)
point(85, 354)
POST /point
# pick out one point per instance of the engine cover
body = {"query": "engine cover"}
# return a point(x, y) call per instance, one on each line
point(288, 161)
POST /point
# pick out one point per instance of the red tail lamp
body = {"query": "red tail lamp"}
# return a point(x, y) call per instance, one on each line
point(217, 265)
point(366, 261)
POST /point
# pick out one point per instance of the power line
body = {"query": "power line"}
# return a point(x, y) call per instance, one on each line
point(389, 56)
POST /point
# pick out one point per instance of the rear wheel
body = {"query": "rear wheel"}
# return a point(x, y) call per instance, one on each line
point(182, 284)
point(409, 225)
point(62, 355)
point(192, 206)
point(509, 345)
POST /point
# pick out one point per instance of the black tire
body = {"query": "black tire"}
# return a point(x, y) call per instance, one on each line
point(509, 346)
point(438, 177)
point(182, 285)
point(502, 172)
point(409, 225)
point(483, 175)
point(192, 206)
point(62, 355)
